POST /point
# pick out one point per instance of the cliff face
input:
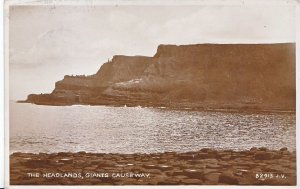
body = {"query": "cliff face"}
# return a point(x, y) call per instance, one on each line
point(255, 76)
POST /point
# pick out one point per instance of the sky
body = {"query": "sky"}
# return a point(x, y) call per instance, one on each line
point(47, 42)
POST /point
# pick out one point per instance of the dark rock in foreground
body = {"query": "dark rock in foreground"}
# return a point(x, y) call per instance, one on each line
point(250, 167)
point(203, 76)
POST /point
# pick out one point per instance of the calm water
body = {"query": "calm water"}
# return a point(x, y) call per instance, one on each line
point(128, 130)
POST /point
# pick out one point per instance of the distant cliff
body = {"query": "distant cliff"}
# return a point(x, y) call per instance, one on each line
point(203, 76)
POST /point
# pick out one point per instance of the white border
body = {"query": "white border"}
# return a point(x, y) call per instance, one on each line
point(2, 105)
point(5, 95)
point(297, 90)
point(153, 2)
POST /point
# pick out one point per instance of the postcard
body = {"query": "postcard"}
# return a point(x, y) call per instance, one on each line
point(152, 93)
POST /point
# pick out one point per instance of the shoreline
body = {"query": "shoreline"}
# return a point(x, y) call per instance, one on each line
point(257, 166)
point(202, 109)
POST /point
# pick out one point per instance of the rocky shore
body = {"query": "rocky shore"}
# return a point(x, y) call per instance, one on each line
point(257, 166)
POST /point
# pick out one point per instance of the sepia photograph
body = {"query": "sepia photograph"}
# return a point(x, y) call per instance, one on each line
point(151, 93)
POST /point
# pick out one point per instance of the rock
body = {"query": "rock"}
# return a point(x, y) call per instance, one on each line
point(205, 150)
point(245, 163)
point(206, 155)
point(191, 181)
point(94, 167)
point(17, 154)
point(262, 155)
point(284, 149)
point(187, 156)
point(66, 161)
point(223, 154)
point(225, 164)
point(154, 171)
point(238, 156)
point(176, 173)
point(209, 171)
point(164, 167)
point(213, 166)
point(125, 77)
point(228, 151)
point(245, 152)
point(193, 173)
point(39, 163)
point(274, 168)
point(228, 178)
point(169, 181)
point(64, 154)
point(285, 153)
point(212, 177)
point(277, 155)
point(150, 166)
point(262, 149)
point(209, 161)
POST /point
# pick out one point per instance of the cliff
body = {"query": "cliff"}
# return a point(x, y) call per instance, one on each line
point(202, 76)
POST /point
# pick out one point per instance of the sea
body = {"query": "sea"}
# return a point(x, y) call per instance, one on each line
point(126, 130)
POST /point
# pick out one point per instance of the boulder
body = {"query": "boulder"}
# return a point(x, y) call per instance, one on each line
point(193, 173)
point(284, 149)
point(228, 178)
point(262, 149)
point(191, 181)
point(206, 155)
point(262, 155)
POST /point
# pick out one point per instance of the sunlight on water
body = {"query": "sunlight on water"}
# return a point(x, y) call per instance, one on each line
point(143, 130)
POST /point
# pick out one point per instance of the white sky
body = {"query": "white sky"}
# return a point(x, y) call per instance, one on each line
point(46, 43)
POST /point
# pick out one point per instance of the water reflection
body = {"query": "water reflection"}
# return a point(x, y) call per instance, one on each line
point(129, 130)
